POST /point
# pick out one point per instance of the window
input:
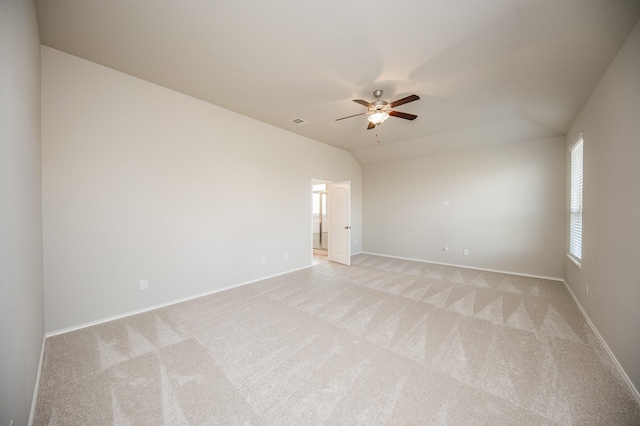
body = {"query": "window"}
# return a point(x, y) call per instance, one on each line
point(575, 221)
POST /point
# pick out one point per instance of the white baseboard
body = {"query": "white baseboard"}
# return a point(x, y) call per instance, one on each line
point(34, 400)
point(164, 305)
point(467, 267)
point(634, 391)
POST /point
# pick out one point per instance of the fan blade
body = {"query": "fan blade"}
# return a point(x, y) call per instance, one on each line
point(403, 115)
point(370, 126)
point(364, 103)
point(349, 116)
point(404, 101)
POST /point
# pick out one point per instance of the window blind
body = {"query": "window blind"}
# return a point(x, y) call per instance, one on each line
point(575, 224)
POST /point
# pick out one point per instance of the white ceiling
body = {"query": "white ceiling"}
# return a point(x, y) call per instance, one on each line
point(487, 72)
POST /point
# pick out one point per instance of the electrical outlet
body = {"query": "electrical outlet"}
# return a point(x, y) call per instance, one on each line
point(586, 287)
point(144, 284)
point(264, 260)
point(465, 252)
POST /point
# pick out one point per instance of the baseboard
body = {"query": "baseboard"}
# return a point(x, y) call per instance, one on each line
point(467, 267)
point(164, 305)
point(34, 400)
point(634, 391)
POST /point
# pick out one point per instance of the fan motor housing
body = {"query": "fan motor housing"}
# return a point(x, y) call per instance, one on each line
point(378, 105)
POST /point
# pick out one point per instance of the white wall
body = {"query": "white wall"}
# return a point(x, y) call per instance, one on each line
point(506, 206)
point(21, 292)
point(610, 122)
point(141, 182)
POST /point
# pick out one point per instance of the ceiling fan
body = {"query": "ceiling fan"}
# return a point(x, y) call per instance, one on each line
point(380, 110)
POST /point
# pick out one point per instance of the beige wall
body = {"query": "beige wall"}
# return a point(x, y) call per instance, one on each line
point(21, 293)
point(506, 206)
point(610, 122)
point(141, 182)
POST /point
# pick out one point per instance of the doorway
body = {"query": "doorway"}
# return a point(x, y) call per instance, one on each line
point(320, 220)
point(331, 221)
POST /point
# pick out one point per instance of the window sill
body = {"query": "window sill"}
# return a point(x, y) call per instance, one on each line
point(575, 261)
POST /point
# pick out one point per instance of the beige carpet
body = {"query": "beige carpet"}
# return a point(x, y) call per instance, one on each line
point(384, 341)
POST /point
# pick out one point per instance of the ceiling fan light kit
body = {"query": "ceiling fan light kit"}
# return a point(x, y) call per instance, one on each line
point(380, 110)
point(378, 117)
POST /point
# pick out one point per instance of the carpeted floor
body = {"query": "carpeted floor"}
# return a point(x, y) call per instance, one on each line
point(384, 341)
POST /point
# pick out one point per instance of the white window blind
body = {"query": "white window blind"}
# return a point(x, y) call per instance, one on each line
point(575, 225)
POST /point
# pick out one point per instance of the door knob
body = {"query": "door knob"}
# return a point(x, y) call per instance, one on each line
point(347, 227)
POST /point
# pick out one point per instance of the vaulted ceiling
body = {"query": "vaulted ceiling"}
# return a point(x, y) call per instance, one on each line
point(487, 72)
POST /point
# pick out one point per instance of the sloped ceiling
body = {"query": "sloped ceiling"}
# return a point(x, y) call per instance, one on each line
point(487, 72)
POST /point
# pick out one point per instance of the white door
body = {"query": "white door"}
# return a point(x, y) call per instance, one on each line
point(339, 213)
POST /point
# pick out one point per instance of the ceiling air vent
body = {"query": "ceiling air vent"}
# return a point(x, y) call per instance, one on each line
point(299, 121)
